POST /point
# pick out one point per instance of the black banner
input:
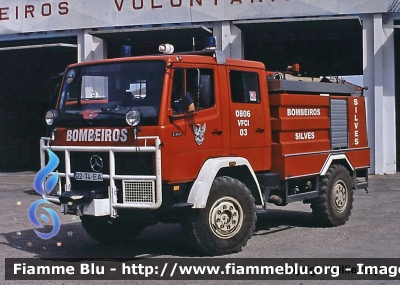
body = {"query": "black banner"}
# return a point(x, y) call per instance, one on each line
point(203, 269)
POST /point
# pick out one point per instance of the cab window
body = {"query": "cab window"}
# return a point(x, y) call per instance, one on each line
point(192, 89)
point(244, 87)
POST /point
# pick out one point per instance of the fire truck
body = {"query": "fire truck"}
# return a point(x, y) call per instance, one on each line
point(203, 140)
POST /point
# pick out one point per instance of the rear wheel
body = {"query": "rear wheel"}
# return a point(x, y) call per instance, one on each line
point(333, 207)
point(109, 230)
point(228, 220)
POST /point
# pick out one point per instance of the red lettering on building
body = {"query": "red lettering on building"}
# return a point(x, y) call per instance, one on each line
point(63, 8)
point(32, 11)
point(29, 9)
point(154, 6)
point(199, 2)
point(119, 6)
point(137, 7)
point(176, 4)
point(46, 9)
point(4, 13)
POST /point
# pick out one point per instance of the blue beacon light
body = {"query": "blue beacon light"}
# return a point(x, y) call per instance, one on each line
point(125, 51)
point(210, 43)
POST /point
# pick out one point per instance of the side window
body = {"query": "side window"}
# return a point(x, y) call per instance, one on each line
point(192, 89)
point(178, 100)
point(244, 87)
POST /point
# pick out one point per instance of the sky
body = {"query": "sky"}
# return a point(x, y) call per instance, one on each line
point(356, 79)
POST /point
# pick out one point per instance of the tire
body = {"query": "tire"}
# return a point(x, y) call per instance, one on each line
point(227, 222)
point(333, 207)
point(109, 230)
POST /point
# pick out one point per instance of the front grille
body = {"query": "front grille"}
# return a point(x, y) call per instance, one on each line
point(130, 163)
point(138, 191)
point(125, 163)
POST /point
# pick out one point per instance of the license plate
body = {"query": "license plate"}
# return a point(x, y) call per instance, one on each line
point(88, 176)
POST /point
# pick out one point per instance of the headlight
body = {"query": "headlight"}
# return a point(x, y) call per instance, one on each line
point(50, 117)
point(133, 118)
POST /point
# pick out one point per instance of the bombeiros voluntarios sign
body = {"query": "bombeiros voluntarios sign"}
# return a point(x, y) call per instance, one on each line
point(22, 16)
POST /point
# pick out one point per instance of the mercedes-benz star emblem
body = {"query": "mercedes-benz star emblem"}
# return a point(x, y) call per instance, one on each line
point(96, 163)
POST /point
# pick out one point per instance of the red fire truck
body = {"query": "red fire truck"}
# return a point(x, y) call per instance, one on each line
point(203, 140)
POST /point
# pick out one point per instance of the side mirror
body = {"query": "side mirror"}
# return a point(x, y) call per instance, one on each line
point(172, 116)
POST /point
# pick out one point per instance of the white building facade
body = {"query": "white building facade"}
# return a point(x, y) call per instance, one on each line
point(93, 27)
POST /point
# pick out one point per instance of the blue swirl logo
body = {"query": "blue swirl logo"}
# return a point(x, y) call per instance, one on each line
point(44, 187)
point(40, 177)
point(32, 217)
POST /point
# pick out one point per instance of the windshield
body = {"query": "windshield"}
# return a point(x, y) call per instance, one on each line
point(102, 94)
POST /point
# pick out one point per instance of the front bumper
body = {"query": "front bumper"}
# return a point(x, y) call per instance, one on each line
point(138, 191)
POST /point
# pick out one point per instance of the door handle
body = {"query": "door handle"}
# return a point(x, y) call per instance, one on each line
point(216, 132)
point(259, 130)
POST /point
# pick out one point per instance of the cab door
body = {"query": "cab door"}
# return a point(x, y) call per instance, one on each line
point(247, 125)
point(195, 135)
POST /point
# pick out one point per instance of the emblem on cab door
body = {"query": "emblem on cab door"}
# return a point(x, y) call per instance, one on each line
point(199, 133)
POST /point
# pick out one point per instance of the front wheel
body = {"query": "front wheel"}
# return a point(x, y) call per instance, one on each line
point(333, 207)
point(227, 222)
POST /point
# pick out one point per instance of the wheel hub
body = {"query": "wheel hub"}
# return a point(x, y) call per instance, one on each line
point(226, 217)
point(340, 196)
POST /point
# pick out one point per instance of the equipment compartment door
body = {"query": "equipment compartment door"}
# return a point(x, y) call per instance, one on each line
point(247, 117)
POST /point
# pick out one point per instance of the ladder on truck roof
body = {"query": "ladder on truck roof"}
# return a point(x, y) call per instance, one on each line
point(275, 85)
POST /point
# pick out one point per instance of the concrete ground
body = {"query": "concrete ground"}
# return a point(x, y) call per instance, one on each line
point(283, 232)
